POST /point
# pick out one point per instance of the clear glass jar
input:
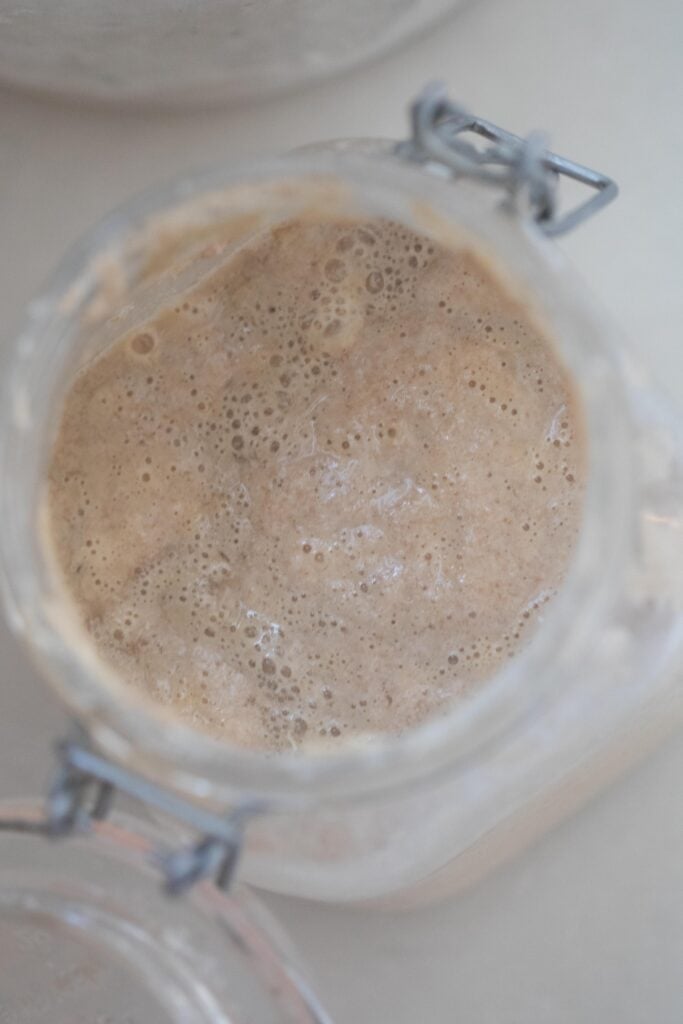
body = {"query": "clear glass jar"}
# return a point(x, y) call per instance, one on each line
point(202, 51)
point(411, 816)
point(86, 933)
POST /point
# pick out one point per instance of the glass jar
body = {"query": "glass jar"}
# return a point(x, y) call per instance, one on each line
point(86, 933)
point(197, 52)
point(412, 816)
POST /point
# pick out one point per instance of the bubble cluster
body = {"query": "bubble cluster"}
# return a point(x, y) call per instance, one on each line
point(326, 493)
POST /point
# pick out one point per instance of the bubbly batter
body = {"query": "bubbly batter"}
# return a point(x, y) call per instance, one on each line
point(324, 495)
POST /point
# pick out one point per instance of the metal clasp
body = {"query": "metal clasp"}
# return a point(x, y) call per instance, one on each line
point(84, 788)
point(512, 163)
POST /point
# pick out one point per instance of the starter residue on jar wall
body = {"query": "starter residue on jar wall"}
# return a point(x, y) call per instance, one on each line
point(326, 493)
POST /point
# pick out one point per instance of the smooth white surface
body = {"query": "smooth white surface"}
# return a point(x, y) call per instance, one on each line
point(588, 926)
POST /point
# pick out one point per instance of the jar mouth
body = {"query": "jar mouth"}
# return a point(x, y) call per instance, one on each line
point(84, 921)
point(126, 725)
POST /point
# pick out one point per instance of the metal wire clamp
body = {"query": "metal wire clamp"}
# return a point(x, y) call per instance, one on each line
point(519, 166)
point(84, 788)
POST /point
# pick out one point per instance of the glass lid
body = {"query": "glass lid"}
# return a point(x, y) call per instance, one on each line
point(88, 936)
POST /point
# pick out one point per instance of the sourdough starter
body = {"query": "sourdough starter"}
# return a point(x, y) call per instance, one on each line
point(325, 494)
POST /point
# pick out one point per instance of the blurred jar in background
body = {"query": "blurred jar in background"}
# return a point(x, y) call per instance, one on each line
point(179, 52)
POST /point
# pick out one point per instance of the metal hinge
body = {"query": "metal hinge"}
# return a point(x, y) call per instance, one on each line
point(517, 165)
point(84, 789)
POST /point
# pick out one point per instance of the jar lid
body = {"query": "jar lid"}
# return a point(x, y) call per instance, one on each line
point(88, 934)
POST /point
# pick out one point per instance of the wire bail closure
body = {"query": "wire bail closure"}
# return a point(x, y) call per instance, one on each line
point(519, 166)
point(83, 791)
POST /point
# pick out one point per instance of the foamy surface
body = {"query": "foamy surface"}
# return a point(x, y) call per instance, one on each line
point(326, 494)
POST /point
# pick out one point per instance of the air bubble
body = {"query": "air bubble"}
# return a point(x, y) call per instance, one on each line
point(335, 270)
point(142, 344)
point(374, 282)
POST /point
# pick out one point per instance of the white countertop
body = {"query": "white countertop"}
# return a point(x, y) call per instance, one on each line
point(587, 927)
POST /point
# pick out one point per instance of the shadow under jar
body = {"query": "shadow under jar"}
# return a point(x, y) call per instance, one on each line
point(395, 815)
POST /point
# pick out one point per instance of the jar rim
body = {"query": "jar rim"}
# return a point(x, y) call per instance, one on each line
point(127, 727)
